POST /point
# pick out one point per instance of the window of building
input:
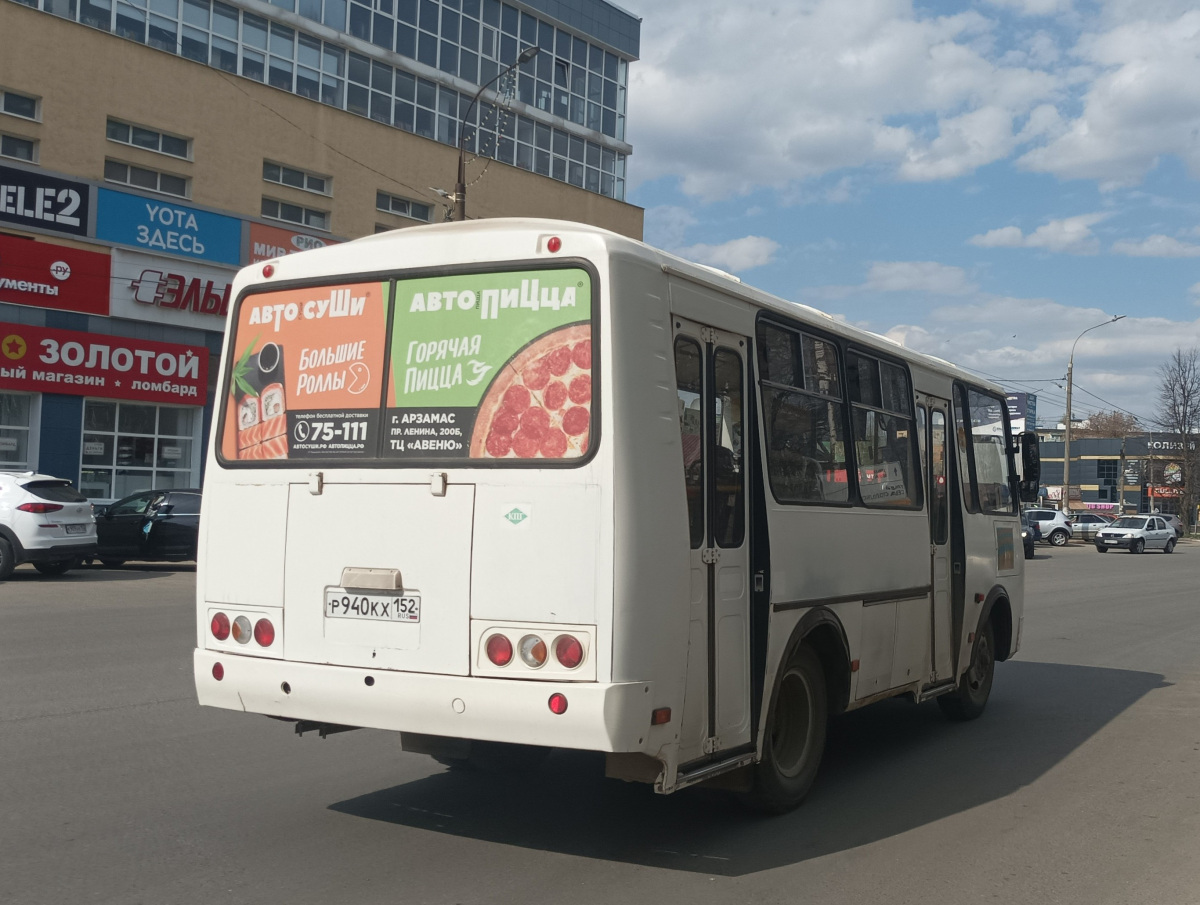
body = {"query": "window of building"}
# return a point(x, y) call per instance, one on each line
point(22, 105)
point(130, 446)
point(1107, 471)
point(18, 148)
point(150, 139)
point(16, 416)
point(468, 39)
point(142, 178)
point(273, 209)
point(884, 432)
point(402, 207)
point(297, 179)
point(804, 415)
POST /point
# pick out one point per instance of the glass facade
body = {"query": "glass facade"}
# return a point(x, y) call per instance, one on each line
point(572, 80)
point(129, 446)
point(15, 415)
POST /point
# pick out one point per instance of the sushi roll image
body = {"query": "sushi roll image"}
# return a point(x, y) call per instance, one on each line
point(274, 415)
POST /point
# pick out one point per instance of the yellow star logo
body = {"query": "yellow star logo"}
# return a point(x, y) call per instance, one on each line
point(13, 346)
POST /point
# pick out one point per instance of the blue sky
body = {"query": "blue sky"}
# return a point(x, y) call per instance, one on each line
point(981, 181)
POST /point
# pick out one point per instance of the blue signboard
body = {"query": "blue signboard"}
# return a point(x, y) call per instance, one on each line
point(165, 227)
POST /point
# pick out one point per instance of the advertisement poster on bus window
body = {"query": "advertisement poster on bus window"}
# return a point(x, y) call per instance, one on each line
point(307, 374)
point(491, 366)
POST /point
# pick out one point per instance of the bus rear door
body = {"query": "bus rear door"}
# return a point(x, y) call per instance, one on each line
point(710, 370)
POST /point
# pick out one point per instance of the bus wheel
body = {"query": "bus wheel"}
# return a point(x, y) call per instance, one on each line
point(498, 757)
point(795, 736)
point(968, 700)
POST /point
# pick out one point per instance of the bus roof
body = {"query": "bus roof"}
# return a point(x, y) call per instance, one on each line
point(442, 239)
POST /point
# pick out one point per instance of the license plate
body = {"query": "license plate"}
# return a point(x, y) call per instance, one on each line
point(77, 529)
point(343, 604)
point(1107, 541)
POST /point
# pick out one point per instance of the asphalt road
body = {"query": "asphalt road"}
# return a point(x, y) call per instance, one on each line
point(1079, 785)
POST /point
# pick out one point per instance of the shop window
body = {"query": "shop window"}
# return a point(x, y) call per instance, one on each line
point(16, 410)
point(130, 446)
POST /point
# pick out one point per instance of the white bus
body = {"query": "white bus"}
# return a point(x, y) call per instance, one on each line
point(509, 485)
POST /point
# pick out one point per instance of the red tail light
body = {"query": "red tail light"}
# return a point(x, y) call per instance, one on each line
point(558, 703)
point(218, 671)
point(220, 626)
point(39, 508)
point(499, 650)
point(568, 651)
point(264, 632)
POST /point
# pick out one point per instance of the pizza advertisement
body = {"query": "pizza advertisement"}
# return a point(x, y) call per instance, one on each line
point(491, 366)
point(307, 374)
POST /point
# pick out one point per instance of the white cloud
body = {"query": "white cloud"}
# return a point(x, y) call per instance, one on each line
point(927, 277)
point(666, 226)
point(1139, 104)
point(1034, 7)
point(917, 276)
point(1157, 246)
point(735, 255)
point(733, 97)
point(1071, 235)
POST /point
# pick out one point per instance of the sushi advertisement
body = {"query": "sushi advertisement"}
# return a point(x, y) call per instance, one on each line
point(307, 374)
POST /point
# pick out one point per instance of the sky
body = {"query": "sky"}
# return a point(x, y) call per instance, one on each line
point(982, 181)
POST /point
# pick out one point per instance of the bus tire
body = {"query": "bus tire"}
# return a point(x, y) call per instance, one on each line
point(795, 735)
point(968, 700)
point(498, 757)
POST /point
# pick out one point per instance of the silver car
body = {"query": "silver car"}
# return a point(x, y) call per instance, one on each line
point(1086, 525)
point(1137, 533)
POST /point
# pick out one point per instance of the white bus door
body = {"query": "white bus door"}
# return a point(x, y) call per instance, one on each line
point(937, 476)
point(710, 368)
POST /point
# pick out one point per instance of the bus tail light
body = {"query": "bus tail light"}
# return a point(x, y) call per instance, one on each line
point(533, 651)
point(264, 632)
point(660, 717)
point(241, 630)
point(220, 626)
point(568, 651)
point(499, 650)
point(558, 703)
point(218, 671)
point(553, 244)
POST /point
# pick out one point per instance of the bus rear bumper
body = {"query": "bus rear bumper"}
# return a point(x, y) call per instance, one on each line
point(599, 716)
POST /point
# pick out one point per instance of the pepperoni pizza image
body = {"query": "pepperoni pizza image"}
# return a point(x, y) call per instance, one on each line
point(539, 405)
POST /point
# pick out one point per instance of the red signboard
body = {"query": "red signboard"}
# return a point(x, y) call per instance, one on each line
point(45, 275)
point(112, 367)
point(268, 242)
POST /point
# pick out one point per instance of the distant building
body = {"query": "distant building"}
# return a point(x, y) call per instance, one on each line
point(1140, 471)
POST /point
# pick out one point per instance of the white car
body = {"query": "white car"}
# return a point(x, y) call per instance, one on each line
point(1055, 527)
point(1136, 533)
point(44, 521)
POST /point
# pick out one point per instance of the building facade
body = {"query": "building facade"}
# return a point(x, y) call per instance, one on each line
point(1137, 473)
point(149, 148)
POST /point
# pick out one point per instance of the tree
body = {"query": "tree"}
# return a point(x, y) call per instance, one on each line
point(1109, 424)
point(1179, 416)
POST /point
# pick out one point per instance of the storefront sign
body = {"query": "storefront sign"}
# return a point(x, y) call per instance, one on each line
point(168, 228)
point(43, 360)
point(169, 290)
point(36, 200)
point(268, 242)
point(45, 275)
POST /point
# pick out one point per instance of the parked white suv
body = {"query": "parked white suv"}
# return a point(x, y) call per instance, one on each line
point(44, 521)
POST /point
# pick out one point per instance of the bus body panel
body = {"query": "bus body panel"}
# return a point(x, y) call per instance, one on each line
point(408, 530)
point(599, 716)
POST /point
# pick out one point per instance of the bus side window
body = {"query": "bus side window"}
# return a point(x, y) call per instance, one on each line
point(688, 375)
point(729, 516)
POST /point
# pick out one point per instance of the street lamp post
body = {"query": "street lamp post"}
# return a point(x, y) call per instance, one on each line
point(1067, 432)
point(460, 187)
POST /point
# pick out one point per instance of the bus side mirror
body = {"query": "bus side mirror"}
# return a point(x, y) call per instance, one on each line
point(1031, 467)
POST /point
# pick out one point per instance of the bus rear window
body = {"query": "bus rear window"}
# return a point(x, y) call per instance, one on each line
point(482, 366)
